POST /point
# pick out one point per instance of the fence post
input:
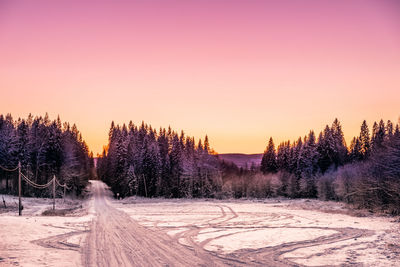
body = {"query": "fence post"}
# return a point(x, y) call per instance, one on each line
point(54, 192)
point(19, 189)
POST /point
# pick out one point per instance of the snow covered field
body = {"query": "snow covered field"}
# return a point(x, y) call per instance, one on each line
point(230, 232)
point(36, 240)
point(251, 230)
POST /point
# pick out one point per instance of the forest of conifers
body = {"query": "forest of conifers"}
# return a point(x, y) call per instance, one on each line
point(366, 174)
point(140, 160)
point(44, 148)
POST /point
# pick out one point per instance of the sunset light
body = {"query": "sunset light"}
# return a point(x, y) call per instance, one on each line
point(153, 133)
point(239, 71)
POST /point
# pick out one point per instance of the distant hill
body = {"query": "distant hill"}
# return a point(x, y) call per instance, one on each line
point(241, 159)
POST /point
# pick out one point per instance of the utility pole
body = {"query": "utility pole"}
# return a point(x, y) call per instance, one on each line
point(19, 189)
point(54, 192)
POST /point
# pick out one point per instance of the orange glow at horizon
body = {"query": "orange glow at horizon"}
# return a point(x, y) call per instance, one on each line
point(240, 72)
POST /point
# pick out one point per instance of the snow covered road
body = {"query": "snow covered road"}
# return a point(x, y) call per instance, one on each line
point(117, 240)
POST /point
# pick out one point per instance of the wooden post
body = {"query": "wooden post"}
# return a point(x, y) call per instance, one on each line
point(65, 187)
point(19, 189)
point(54, 192)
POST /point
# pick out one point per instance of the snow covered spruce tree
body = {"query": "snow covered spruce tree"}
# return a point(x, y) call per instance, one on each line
point(140, 161)
point(268, 162)
point(300, 163)
point(365, 141)
point(44, 148)
point(307, 165)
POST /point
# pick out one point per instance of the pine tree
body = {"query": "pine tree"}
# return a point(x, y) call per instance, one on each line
point(396, 133)
point(165, 177)
point(268, 162)
point(283, 157)
point(175, 160)
point(200, 146)
point(151, 165)
point(188, 168)
point(326, 149)
point(378, 136)
point(389, 129)
point(308, 166)
point(53, 149)
point(22, 143)
point(355, 148)
point(206, 145)
point(340, 149)
point(308, 157)
point(364, 141)
point(294, 156)
point(132, 180)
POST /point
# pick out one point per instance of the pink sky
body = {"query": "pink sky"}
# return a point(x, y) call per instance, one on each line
point(239, 71)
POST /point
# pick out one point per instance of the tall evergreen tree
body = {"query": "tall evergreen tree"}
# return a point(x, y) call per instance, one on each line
point(176, 166)
point(308, 166)
point(355, 150)
point(268, 162)
point(340, 149)
point(283, 157)
point(365, 142)
point(389, 129)
point(378, 136)
point(326, 149)
point(206, 145)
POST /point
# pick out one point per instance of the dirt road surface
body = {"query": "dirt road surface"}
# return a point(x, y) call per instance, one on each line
point(117, 240)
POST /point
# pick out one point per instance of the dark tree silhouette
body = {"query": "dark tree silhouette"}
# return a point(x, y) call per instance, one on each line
point(140, 161)
point(44, 148)
point(268, 162)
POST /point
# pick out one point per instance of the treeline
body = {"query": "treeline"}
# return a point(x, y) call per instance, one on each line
point(141, 161)
point(44, 148)
point(138, 160)
point(366, 174)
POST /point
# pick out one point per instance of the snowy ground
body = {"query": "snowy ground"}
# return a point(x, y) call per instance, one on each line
point(303, 232)
point(36, 240)
point(246, 232)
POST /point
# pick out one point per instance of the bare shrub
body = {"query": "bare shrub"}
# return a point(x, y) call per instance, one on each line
point(293, 185)
point(325, 186)
point(263, 185)
point(227, 190)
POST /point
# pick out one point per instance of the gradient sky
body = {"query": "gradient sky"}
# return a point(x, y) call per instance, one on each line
point(239, 71)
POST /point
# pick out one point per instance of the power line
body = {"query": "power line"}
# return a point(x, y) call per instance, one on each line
point(42, 186)
point(32, 183)
point(39, 186)
point(53, 182)
point(9, 170)
point(63, 185)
